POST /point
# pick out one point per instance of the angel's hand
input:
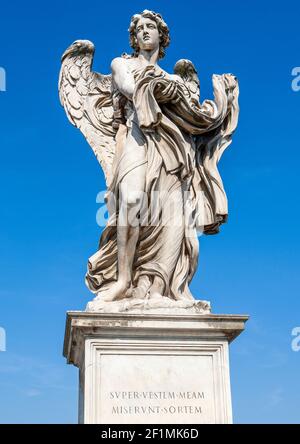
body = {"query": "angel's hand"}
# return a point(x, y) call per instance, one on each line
point(170, 92)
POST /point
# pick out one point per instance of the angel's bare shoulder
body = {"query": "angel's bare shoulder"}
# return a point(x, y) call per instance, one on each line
point(122, 64)
point(123, 80)
point(116, 63)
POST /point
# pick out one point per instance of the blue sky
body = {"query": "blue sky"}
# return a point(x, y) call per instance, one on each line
point(49, 181)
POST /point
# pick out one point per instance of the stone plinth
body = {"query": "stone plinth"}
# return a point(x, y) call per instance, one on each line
point(152, 368)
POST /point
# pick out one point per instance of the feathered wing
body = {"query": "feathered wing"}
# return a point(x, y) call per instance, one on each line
point(87, 99)
point(186, 70)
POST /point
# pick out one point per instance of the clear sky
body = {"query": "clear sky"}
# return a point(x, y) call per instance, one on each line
point(49, 181)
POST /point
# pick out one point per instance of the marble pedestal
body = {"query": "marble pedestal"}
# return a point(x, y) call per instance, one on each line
point(150, 368)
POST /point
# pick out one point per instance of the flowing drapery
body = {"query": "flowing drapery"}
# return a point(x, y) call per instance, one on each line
point(184, 142)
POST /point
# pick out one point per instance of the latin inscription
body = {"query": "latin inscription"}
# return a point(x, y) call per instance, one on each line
point(150, 408)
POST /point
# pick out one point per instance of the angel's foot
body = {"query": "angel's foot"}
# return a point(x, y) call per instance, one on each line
point(117, 291)
point(156, 290)
point(140, 291)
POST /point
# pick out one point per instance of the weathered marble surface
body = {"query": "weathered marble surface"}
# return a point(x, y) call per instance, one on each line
point(158, 305)
point(152, 368)
point(159, 148)
point(146, 349)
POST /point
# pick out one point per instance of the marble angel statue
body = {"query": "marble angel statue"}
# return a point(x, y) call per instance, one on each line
point(157, 143)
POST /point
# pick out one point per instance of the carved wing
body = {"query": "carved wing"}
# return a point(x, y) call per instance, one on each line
point(87, 99)
point(186, 70)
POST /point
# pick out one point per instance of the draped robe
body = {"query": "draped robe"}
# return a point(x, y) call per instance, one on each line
point(183, 142)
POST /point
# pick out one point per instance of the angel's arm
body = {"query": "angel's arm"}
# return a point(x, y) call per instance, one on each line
point(122, 77)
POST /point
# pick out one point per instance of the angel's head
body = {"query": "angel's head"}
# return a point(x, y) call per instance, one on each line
point(148, 30)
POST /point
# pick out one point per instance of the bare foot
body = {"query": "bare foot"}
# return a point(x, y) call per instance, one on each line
point(140, 291)
point(157, 288)
point(115, 292)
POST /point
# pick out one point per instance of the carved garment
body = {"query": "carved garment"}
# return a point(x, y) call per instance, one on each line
point(181, 143)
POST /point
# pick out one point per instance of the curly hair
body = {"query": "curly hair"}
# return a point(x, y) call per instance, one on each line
point(163, 30)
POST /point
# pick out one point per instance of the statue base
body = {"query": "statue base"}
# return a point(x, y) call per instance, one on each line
point(159, 305)
point(150, 368)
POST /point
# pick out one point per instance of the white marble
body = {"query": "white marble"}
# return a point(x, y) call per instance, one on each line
point(152, 368)
point(161, 305)
point(159, 148)
point(147, 350)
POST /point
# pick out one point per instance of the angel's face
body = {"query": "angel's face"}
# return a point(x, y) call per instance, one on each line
point(147, 34)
